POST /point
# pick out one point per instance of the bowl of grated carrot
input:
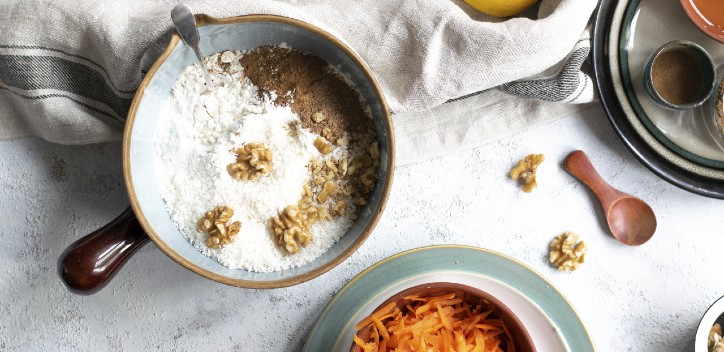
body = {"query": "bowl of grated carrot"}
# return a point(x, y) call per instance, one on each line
point(442, 316)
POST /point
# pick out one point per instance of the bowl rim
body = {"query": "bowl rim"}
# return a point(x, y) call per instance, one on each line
point(204, 20)
point(695, 19)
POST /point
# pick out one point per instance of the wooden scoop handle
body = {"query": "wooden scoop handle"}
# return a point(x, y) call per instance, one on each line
point(578, 165)
point(88, 264)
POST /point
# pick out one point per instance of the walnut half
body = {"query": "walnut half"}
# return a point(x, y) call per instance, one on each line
point(215, 223)
point(567, 254)
point(252, 161)
point(525, 170)
point(291, 229)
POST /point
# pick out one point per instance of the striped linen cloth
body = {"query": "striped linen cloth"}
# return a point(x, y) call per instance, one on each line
point(69, 69)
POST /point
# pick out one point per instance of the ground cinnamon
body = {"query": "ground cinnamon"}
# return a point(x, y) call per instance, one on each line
point(309, 86)
point(676, 76)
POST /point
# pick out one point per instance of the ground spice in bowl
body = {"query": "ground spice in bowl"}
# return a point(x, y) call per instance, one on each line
point(679, 75)
point(676, 76)
point(317, 89)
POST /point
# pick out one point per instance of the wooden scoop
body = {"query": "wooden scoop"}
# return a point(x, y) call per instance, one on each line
point(630, 219)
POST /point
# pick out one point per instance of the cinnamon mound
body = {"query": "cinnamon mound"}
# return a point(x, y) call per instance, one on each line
point(308, 85)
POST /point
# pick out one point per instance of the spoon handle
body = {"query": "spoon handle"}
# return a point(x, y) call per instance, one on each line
point(578, 165)
point(90, 263)
point(183, 19)
point(185, 23)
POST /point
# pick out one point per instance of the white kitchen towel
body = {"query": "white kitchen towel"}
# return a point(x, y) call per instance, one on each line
point(68, 69)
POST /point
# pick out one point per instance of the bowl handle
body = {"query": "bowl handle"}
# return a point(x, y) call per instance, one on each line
point(88, 264)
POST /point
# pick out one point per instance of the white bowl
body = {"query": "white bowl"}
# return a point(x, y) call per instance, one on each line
point(715, 314)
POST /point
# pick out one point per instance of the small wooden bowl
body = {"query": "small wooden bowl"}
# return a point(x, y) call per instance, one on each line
point(470, 295)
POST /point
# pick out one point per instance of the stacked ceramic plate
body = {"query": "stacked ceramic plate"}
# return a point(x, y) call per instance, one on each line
point(685, 148)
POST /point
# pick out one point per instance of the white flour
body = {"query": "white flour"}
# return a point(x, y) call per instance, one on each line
point(194, 143)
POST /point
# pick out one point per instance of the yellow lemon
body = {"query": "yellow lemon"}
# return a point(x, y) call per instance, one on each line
point(501, 8)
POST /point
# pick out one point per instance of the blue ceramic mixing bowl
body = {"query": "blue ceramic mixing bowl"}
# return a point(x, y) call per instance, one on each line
point(139, 157)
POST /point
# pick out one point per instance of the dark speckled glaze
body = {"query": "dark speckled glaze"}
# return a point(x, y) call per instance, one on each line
point(634, 142)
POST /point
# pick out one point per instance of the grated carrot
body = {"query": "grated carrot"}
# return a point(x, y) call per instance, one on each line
point(440, 323)
point(488, 326)
point(443, 317)
point(381, 328)
point(380, 312)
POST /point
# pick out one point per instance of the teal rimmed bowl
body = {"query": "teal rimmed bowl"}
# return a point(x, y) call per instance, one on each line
point(89, 263)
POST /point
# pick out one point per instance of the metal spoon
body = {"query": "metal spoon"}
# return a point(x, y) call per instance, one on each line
point(630, 219)
point(185, 23)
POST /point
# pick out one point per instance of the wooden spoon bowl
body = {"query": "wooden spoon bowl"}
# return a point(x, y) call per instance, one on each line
point(630, 219)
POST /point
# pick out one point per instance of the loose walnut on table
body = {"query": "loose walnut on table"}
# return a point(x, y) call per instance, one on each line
point(526, 169)
point(567, 254)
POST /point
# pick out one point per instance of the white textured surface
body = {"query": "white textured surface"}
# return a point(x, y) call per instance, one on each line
point(648, 298)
